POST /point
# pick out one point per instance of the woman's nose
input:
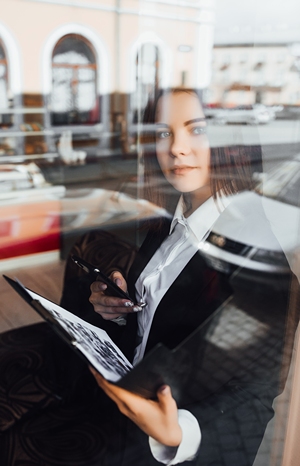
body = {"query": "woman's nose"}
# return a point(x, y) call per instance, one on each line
point(180, 145)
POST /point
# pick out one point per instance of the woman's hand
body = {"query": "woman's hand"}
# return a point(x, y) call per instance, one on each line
point(110, 307)
point(158, 419)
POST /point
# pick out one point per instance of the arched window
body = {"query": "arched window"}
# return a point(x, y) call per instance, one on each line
point(4, 103)
point(147, 76)
point(74, 97)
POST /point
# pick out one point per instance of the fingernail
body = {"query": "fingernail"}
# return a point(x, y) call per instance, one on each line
point(137, 309)
point(118, 282)
point(101, 285)
point(163, 389)
point(128, 304)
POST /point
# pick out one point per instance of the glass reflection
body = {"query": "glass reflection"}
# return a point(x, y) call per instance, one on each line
point(79, 173)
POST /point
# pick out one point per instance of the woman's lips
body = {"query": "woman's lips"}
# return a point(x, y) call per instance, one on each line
point(181, 169)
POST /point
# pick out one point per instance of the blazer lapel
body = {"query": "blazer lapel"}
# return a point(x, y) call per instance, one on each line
point(188, 303)
point(149, 247)
point(127, 341)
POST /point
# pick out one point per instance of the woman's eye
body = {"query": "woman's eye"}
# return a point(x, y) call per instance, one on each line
point(163, 134)
point(199, 130)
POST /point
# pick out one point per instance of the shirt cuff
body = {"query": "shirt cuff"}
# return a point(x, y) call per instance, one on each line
point(186, 451)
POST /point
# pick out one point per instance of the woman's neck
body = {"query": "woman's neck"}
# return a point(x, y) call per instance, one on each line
point(195, 199)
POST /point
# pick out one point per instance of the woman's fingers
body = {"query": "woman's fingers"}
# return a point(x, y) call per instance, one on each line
point(165, 398)
point(119, 280)
point(99, 379)
point(110, 303)
point(167, 403)
point(117, 394)
point(110, 307)
point(157, 419)
point(114, 392)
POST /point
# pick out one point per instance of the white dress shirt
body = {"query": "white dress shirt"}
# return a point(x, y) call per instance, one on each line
point(185, 238)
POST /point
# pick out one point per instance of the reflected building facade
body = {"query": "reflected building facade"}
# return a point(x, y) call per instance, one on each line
point(95, 64)
point(246, 75)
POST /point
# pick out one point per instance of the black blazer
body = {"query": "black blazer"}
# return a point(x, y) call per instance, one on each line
point(234, 381)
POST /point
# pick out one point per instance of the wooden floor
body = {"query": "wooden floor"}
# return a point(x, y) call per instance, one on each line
point(44, 279)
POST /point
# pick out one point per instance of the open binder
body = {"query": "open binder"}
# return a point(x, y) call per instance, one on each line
point(193, 357)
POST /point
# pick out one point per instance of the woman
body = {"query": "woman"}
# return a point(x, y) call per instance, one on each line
point(53, 412)
point(225, 425)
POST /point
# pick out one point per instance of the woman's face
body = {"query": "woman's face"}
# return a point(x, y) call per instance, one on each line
point(182, 146)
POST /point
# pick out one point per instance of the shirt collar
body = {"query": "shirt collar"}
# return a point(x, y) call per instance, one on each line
point(178, 215)
point(202, 220)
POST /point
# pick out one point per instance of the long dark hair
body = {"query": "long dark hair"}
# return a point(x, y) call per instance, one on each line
point(231, 167)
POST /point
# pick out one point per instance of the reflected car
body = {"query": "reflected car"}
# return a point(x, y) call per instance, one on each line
point(84, 210)
point(244, 114)
point(91, 208)
point(260, 257)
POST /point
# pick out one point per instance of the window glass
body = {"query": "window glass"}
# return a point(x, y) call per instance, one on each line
point(158, 141)
point(74, 93)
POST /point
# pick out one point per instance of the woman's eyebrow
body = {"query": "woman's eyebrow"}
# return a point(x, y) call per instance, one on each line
point(195, 120)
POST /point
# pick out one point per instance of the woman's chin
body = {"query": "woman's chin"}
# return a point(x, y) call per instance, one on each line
point(186, 187)
point(180, 188)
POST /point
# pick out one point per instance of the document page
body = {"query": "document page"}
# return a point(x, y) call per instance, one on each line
point(93, 342)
